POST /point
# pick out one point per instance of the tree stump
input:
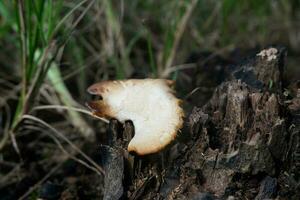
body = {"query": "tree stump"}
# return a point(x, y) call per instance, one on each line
point(244, 143)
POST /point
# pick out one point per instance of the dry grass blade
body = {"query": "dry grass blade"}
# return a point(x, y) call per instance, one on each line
point(179, 32)
point(59, 107)
point(6, 127)
point(33, 188)
point(58, 143)
point(168, 71)
point(60, 135)
point(8, 133)
point(11, 176)
point(62, 21)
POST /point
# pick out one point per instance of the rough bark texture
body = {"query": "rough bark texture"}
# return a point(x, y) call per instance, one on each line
point(113, 165)
point(244, 143)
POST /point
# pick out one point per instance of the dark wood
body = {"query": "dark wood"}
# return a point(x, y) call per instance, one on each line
point(244, 143)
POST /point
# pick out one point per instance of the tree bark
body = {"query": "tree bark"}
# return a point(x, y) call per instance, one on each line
point(244, 143)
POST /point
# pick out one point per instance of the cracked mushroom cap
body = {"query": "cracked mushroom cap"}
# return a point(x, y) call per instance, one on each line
point(149, 103)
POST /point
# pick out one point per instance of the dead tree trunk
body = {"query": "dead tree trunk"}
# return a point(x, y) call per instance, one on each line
point(244, 143)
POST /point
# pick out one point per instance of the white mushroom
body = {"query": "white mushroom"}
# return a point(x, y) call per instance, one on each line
point(148, 103)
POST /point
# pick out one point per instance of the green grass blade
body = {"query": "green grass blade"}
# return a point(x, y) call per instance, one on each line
point(56, 80)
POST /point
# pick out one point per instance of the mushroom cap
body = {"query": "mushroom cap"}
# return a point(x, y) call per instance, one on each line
point(149, 103)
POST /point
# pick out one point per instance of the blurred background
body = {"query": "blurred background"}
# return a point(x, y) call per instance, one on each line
point(51, 51)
